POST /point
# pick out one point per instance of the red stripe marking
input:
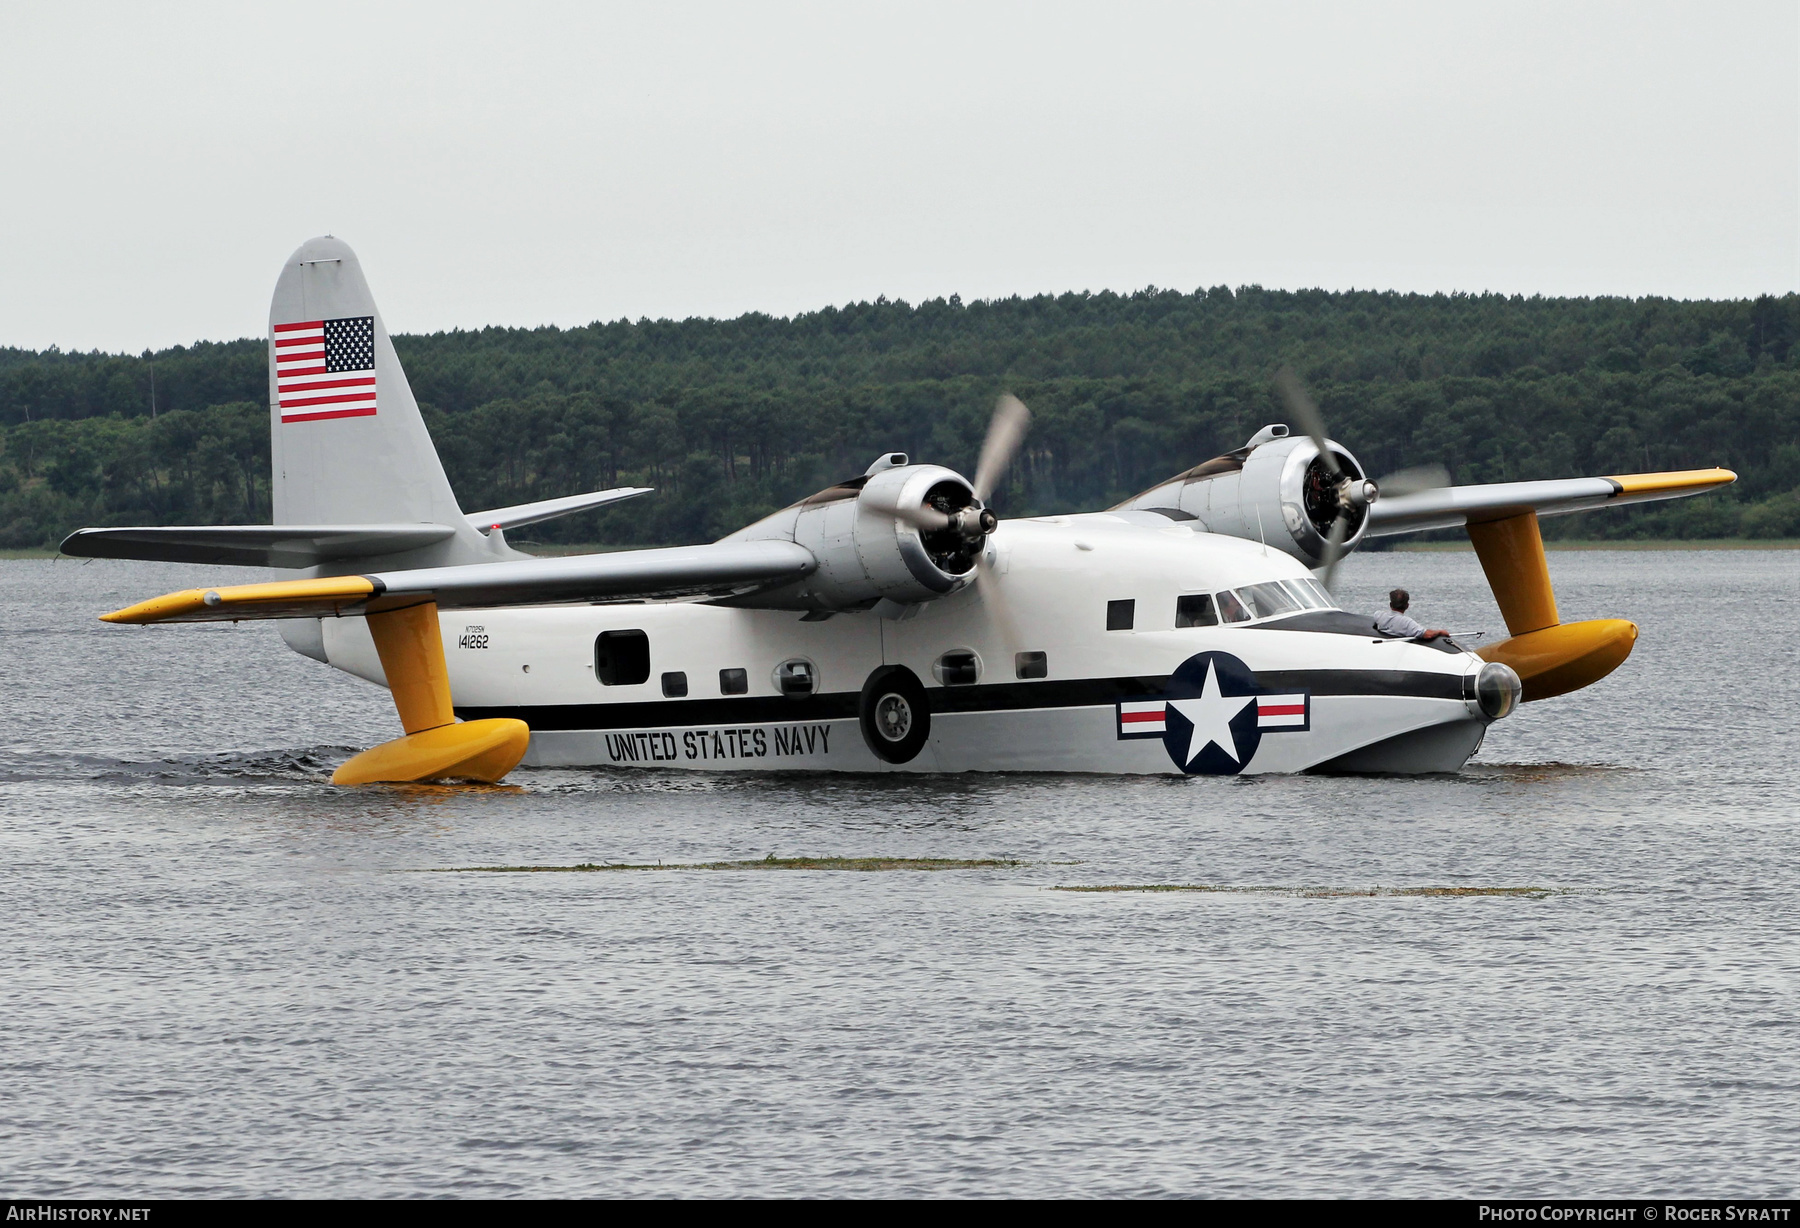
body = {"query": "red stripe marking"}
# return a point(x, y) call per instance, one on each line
point(329, 413)
point(291, 342)
point(337, 400)
point(287, 373)
point(1281, 709)
point(288, 328)
point(311, 385)
point(1135, 717)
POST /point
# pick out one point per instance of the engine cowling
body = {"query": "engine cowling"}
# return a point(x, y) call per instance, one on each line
point(1276, 489)
point(905, 534)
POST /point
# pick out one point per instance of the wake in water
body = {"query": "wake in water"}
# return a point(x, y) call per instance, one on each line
point(311, 766)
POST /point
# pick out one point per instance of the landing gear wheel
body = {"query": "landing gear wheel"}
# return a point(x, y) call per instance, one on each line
point(895, 719)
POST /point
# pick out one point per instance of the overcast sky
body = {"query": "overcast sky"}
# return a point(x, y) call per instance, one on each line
point(527, 164)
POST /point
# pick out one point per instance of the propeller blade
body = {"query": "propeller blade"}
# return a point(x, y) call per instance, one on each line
point(993, 596)
point(1302, 409)
point(1005, 433)
point(1334, 547)
point(1412, 481)
point(928, 519)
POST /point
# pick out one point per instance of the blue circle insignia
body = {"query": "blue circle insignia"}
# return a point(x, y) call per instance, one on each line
point(1210, 722)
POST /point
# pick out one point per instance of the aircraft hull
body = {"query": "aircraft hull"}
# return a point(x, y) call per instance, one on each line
point(1153, 698)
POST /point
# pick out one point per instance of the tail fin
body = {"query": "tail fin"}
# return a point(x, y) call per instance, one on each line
point(347, 443)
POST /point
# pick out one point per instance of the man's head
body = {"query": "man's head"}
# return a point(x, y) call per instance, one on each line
point(1398, 601)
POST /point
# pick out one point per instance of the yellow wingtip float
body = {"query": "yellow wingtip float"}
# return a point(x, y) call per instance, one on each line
point(436, 746)
point(1552, 657)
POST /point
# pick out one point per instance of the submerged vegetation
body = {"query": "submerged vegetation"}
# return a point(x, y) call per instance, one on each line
point(730, 419)
point(1329, 893)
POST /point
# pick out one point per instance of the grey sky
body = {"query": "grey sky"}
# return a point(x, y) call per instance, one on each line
point(529, 164)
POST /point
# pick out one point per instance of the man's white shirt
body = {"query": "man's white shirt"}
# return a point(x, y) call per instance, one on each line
point(1396, 624)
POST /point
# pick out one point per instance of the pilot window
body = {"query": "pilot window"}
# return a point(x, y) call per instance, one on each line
point(734, 681)
point(1268, 600)
point(1285, 597)
point(622, 658)
point(674, 684)
point(1311, 593)
point(1231, 610)
point(1195, 610)
point(1031, 664)
point(1120, 615)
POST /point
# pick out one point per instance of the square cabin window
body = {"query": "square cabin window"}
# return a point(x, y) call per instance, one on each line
point(1120, 615)
point(734, 682)
point(622, 658)
point(674, 684)
point(1195, 610)
point(1031, 664)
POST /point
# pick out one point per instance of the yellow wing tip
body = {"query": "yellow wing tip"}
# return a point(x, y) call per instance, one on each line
point(245, 600)
point(1684, 479)
point(169, 605)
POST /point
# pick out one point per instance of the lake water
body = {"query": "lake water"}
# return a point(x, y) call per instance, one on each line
point(220, 977)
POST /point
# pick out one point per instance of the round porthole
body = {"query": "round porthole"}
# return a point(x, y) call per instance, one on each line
point(958, 667)
point(796, 677)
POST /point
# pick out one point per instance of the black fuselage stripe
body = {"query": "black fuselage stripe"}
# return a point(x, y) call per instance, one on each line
point(1000, 697)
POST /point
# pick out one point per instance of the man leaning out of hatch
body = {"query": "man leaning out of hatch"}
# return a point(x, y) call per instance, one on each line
point(1397, 624)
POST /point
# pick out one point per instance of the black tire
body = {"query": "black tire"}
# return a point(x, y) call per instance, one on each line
point(895, 719)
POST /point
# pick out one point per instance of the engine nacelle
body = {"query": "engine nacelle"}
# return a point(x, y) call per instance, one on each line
point(1275, 489)
point(870, 548)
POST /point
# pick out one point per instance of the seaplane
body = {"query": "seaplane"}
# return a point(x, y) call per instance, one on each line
point(890, 622)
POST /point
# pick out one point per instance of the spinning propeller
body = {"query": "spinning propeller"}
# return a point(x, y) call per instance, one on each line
point(970, 524)
point(1334, 490)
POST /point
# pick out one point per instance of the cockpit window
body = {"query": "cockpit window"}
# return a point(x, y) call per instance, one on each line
point(1312, 593)
point(1285, 597)
point(1268, 600)
point(1232, 610)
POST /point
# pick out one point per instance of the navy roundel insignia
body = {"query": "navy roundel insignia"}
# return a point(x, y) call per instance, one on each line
point(1212, 715)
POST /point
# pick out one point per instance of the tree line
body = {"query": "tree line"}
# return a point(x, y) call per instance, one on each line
point(730, 419)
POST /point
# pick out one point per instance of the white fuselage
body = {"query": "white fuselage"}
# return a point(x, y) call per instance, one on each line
point(1317, 697)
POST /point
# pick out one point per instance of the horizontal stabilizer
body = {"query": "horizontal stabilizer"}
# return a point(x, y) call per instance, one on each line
point(253, 545)
point(721, 569)
point(1451, 507)
point(549, 509)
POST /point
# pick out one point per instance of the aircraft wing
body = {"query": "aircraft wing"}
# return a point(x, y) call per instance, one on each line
point(721, 569)
point(548, 509)
point(253, 545)
point(1452, 507)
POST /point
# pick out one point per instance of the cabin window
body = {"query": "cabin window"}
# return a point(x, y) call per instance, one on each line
point(622, 658)
point(734, 681)
point(1195, 610)
point(674, 684)
point(1120, 615)
point(796, 677)
point(959, 668)
point(1231, 610)
point(1031, 664)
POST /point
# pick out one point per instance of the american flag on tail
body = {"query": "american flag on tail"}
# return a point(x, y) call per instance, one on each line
point(325, 369)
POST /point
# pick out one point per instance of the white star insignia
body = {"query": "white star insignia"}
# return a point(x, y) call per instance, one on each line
point(1211, 716)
